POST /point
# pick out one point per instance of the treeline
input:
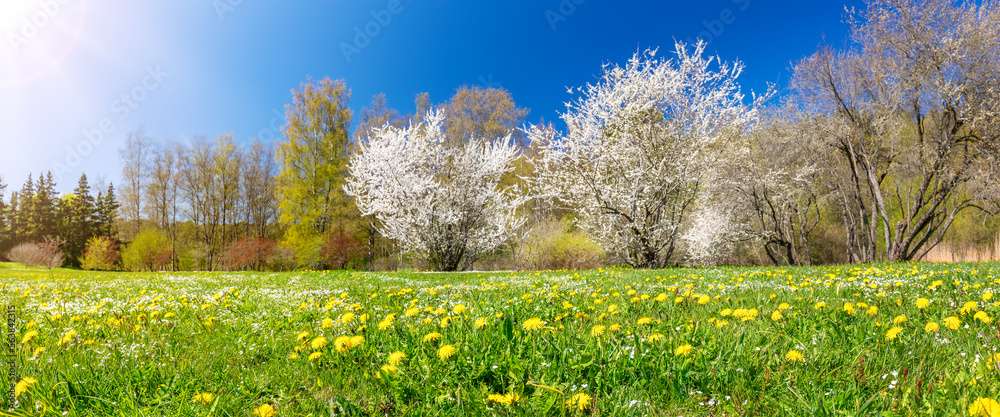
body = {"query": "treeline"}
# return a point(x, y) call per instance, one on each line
point(36, 216)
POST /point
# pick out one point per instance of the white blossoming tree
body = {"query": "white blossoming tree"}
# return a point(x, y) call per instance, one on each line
point(641, 144)
point(438, 199)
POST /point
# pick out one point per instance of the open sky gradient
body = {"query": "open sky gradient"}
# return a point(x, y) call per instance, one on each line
point(72, 68)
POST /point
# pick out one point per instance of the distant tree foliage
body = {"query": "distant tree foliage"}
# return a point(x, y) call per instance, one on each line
point(313, 162)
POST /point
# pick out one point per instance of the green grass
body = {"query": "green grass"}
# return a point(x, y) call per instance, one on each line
point(147, 344)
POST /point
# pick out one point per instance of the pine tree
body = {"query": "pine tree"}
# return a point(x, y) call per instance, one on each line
point(78, 214)
point(4, 230)
point(13, 222)
point(22, 216)
point(107, 213)
point(43, 215)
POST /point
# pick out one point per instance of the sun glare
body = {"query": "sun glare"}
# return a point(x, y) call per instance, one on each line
point(17, 15)
point(36, 35)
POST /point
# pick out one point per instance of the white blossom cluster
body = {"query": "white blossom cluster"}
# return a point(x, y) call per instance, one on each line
point(641, 149)
point(437, 198)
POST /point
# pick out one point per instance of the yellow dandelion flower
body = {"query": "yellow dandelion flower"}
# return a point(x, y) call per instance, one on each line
point(315, 355)
point(922, 303)
point(22, 386)
point(655, 337)
point(293, 356)
point(506, 399)
point(342, 344)
point(203, 398)
point(264, 411)
point(480, 323)
point(819, 305)
point(327, 323)
point(952, 322)
point(579, 401)
point(68, 337)
point(302, 336)
point(983, 317)
point(356, 341)
point(776, 315)
point(644, 320)
point(396, 358)
point(318, 343)
point(387, 322)
point(704, 299)
point(969, 307)
point(661, 297)
point(684, 349)
point(725, 312)
point(893, 333)
point(985, 407)
point(389, 368)
point(987, 296)
point(446, 351)
point(794, 356)
point(900, 319)
point(597, 330)
point(533, 323)
point(432, 337)
point(347, 318)
point(849, 308)
point(932, 327)
point(29, 336)
point(410, 312)
point(37, 351)
point(459, 309)
point(783, 306)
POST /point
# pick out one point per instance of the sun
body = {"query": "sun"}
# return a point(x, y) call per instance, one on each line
point(36, 36)
point(17, 15)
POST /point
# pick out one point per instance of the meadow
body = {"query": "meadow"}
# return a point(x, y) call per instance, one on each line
point(883, 339)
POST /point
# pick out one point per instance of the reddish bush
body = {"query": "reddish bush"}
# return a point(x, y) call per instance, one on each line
point(41, 254)
point(247, 253)
point(341, 248)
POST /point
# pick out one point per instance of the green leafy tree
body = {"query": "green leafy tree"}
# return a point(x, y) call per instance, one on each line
point(101, 254)
point(149, 251)
point(313, 161)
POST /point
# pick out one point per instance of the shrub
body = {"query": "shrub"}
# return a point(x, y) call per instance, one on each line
point(340, 249)
point(101, 254)
point(558, 245)
point(40, 254)
point(247, 253)
point(284, 258)
point(149, 251)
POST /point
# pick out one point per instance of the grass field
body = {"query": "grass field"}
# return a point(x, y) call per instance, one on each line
point(892, 339)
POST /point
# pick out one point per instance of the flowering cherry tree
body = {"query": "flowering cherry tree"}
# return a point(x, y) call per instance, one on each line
point(641, 147)
point(437, 198)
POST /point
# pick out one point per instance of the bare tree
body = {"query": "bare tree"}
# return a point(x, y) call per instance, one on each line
point(909, 109)
point(259, 184)
point(135, 157)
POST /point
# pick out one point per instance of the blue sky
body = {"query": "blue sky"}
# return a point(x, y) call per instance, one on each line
point(70, 68)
